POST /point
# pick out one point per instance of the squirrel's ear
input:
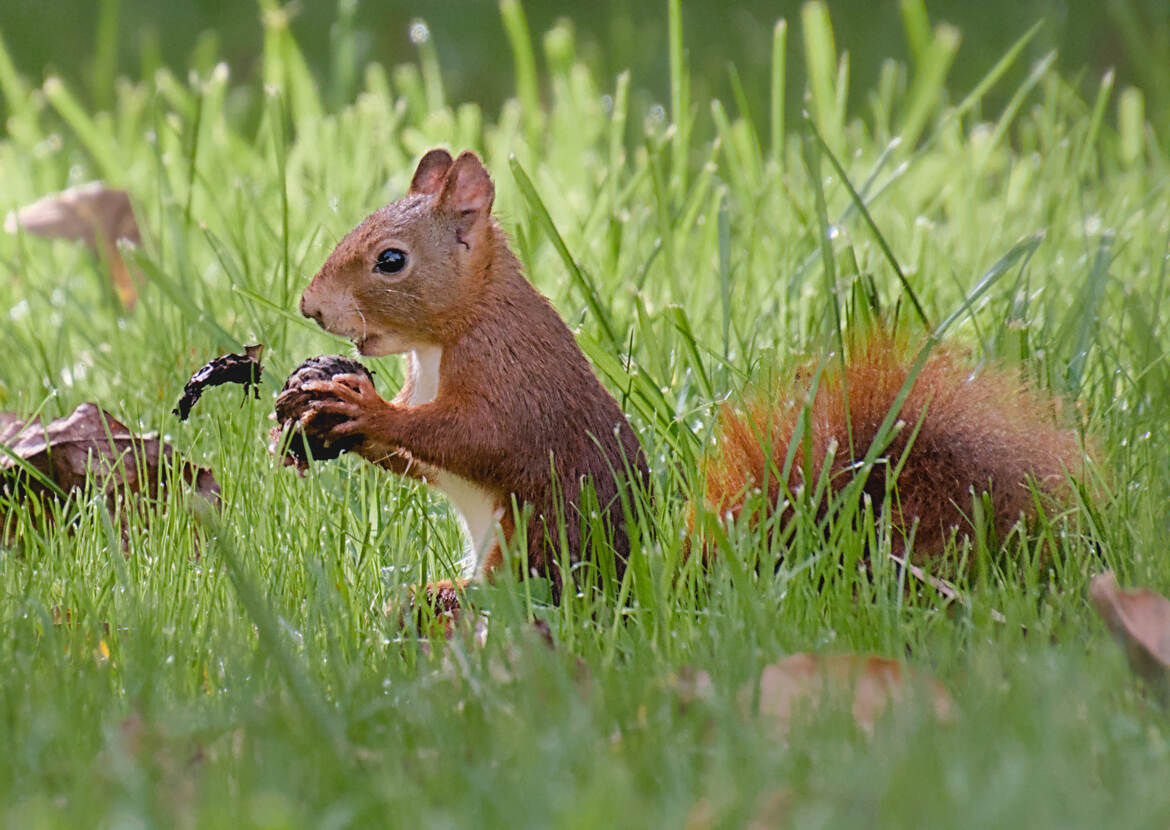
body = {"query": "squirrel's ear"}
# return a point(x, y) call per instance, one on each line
point(431, 172)
point(467, 193)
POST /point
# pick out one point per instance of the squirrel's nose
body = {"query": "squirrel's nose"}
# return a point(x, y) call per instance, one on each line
point(309, 309)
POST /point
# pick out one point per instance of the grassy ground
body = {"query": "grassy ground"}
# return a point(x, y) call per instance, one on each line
point(241, 672)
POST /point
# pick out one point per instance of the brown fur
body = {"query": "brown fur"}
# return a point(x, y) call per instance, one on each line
point(518, 411)
point(977, 429)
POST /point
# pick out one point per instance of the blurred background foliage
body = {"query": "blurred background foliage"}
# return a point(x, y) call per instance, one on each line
point(73, 39)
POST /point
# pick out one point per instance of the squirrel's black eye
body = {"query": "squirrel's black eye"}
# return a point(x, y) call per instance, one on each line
point(390, 261)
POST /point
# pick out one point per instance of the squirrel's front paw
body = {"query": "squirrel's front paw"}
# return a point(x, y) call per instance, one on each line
point(342, 409)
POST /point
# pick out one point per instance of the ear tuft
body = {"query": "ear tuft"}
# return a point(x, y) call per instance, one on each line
point(431, 172)
point(468, 191)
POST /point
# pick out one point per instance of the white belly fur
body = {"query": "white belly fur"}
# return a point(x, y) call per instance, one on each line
point(478, 511)
point(479, 516)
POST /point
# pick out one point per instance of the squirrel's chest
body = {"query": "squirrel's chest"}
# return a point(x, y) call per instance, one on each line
point(479, 510)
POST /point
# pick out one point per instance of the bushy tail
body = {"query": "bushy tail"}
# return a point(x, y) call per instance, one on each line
point(977, 432)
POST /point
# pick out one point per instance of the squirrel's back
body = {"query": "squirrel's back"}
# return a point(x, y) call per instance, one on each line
point(968, 432)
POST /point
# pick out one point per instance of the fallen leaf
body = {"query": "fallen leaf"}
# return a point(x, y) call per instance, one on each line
point(89, 443)
point(91, 213)
point(229, 368)
point(691, 684)
point(1140, 623)
point(802, 681)
point(85, 213)
point(771, 809)
point(876, 682)
point(171, 750)
point(10, 424)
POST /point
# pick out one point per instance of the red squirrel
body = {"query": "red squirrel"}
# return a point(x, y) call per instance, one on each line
point(969, 433)
point(500, 404)
point(499, 401)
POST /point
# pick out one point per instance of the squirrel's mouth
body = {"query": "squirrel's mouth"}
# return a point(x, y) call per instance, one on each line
point(382, 342)
point(362, 343)
point(375, 345)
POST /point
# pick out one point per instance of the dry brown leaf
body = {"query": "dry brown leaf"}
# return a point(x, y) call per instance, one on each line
point(771, 809)
point(92, 213)
point(89, 443)
point(10, 425)
point(804, 680)
point(876, 682)
point(1140, 622)
point(174, 757)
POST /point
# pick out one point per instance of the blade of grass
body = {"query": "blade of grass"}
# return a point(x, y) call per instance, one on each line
point(105, 57)
point(1104, 92)
point(917, 25)
point(1005, 120)
point(87, 131)
point(428, 57)
point(878, 236)
point(820, 58)
point(13, 89)
point(778, 89)
point(587, 287)
point(524, 64)
point(929, 85)
point(680, 102)
point(1080, 326)
point(318, 715)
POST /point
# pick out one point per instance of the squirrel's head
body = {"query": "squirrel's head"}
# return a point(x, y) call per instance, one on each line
point(414, 269)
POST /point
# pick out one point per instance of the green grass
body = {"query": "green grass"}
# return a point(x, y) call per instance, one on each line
point(252, 678)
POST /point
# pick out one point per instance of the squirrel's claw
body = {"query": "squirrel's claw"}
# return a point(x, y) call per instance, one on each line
point(347, 405)
point(356, 389)
point(346, 409)
point(359, 383)
point(306, 421)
